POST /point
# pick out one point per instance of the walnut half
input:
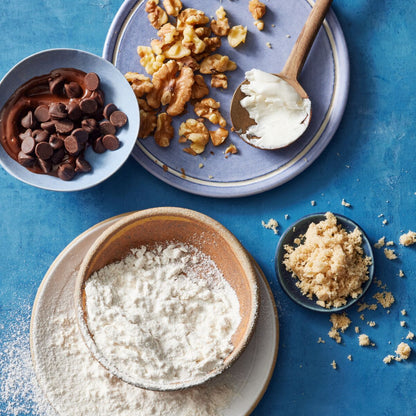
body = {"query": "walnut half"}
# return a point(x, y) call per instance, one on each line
point(157, 16)
point(196, 132)
point(164, 130)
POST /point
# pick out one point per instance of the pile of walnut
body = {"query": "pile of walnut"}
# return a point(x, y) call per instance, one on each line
point(174, 60)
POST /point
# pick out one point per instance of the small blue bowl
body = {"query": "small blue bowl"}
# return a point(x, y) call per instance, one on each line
point(288, 282)
point(116, 89)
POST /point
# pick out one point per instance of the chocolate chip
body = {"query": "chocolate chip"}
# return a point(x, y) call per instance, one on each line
point(81, 135)
point(28, 121)
point(64, 126)
point(56, 142)
point(57, 111)
point(92, 81)
point(109, 109)
point(58, 155)
point(66, 171)
point(72, 145)
point(98, 145)
point(40, 135)
point(107, 128)
point(73, 90)
point(45, 165)
point(89, 125)
point(88, 105)
point(42, 113)
point(74, 112)
point(27, 133)
point(43, 150)
point(28, 145)
point(111, 142)
point(49, 126)
point(25, 160)
point(81, 165)
point(56, 85)
point(99, 97)
point(118, 118)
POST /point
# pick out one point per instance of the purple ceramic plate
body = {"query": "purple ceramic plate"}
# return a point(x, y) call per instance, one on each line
point(325, 77)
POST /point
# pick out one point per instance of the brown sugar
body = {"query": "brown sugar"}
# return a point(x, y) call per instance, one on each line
point(328, 262)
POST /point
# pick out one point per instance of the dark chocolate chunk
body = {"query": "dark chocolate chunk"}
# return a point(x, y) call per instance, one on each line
point(92, 81)
point(56, 85)
point(43, 150)
point(40, 135)
point(89, 125)
point(27, 133)
point(111, 142)
point(107, 128)
point(66, 171)
point(58, 111)
point(28, 121)
point(88, 105)
point(109, 109)
point(42, 113)
point(81, 135)
point(58, 155)
point(74, 112)
point(72, 145)
point(73, 90)
point(25, 160)
point(45, 165)
point(64, 126)
point(81, 165)
point(118, 118)
point(28, 145)
point(56, 142)
point(98, 145)
point(49, 126)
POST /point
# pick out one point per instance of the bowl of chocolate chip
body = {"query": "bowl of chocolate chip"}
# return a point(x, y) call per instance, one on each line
point(68, 120)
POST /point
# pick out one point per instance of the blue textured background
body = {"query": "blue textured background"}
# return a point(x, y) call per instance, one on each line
point(370, 163)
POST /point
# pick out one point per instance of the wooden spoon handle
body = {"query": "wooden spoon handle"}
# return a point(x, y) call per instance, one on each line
point(304, 42)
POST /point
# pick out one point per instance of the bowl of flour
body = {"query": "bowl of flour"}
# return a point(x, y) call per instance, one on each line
point(166, 298)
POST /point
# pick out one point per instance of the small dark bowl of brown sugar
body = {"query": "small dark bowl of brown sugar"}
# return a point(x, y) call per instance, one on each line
point(324, 262)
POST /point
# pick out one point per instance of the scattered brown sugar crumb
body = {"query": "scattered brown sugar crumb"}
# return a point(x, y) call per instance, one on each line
point(272, 224)
point(345, 203)
point(363, 340)
point(403, 312)
point(363, 306)
point(357, 329)
point(329, 263)
point(403, 323)
point(380, 243)
point(403, 351)
point(388, 359)
point(390, 243)
point(385, 299)
point(340, 322)
point(410, 335)
point(313, 203)
point(408, 239)
point(371, 323)
point(390, 254)
point(321, 341)
point(401, 273)
point(362, 317)
point(269, 45)
point(334, 365)
point(349, 357)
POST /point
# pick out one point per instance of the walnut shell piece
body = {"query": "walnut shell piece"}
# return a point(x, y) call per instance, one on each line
point(156, 15)
point(218, 136)
point(196, 132)
point(164, 130)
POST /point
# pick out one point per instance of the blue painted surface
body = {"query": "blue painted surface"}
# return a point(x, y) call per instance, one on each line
point(376, 142)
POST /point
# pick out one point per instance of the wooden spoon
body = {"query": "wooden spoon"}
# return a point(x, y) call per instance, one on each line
point(239, 116)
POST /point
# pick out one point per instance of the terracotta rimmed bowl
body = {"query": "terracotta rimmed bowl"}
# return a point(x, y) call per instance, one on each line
point(288, 282)
point(160, 225)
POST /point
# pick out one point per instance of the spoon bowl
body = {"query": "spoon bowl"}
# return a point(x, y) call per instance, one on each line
point(240, 117)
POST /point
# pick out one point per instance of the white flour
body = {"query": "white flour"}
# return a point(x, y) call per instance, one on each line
point(162, 315)
point(77, 385)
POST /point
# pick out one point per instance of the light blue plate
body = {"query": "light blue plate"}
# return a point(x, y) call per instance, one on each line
point(116, 90)
point(325, 77)
point(288, 282)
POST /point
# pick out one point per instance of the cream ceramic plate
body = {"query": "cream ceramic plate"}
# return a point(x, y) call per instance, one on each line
point(249, 376)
